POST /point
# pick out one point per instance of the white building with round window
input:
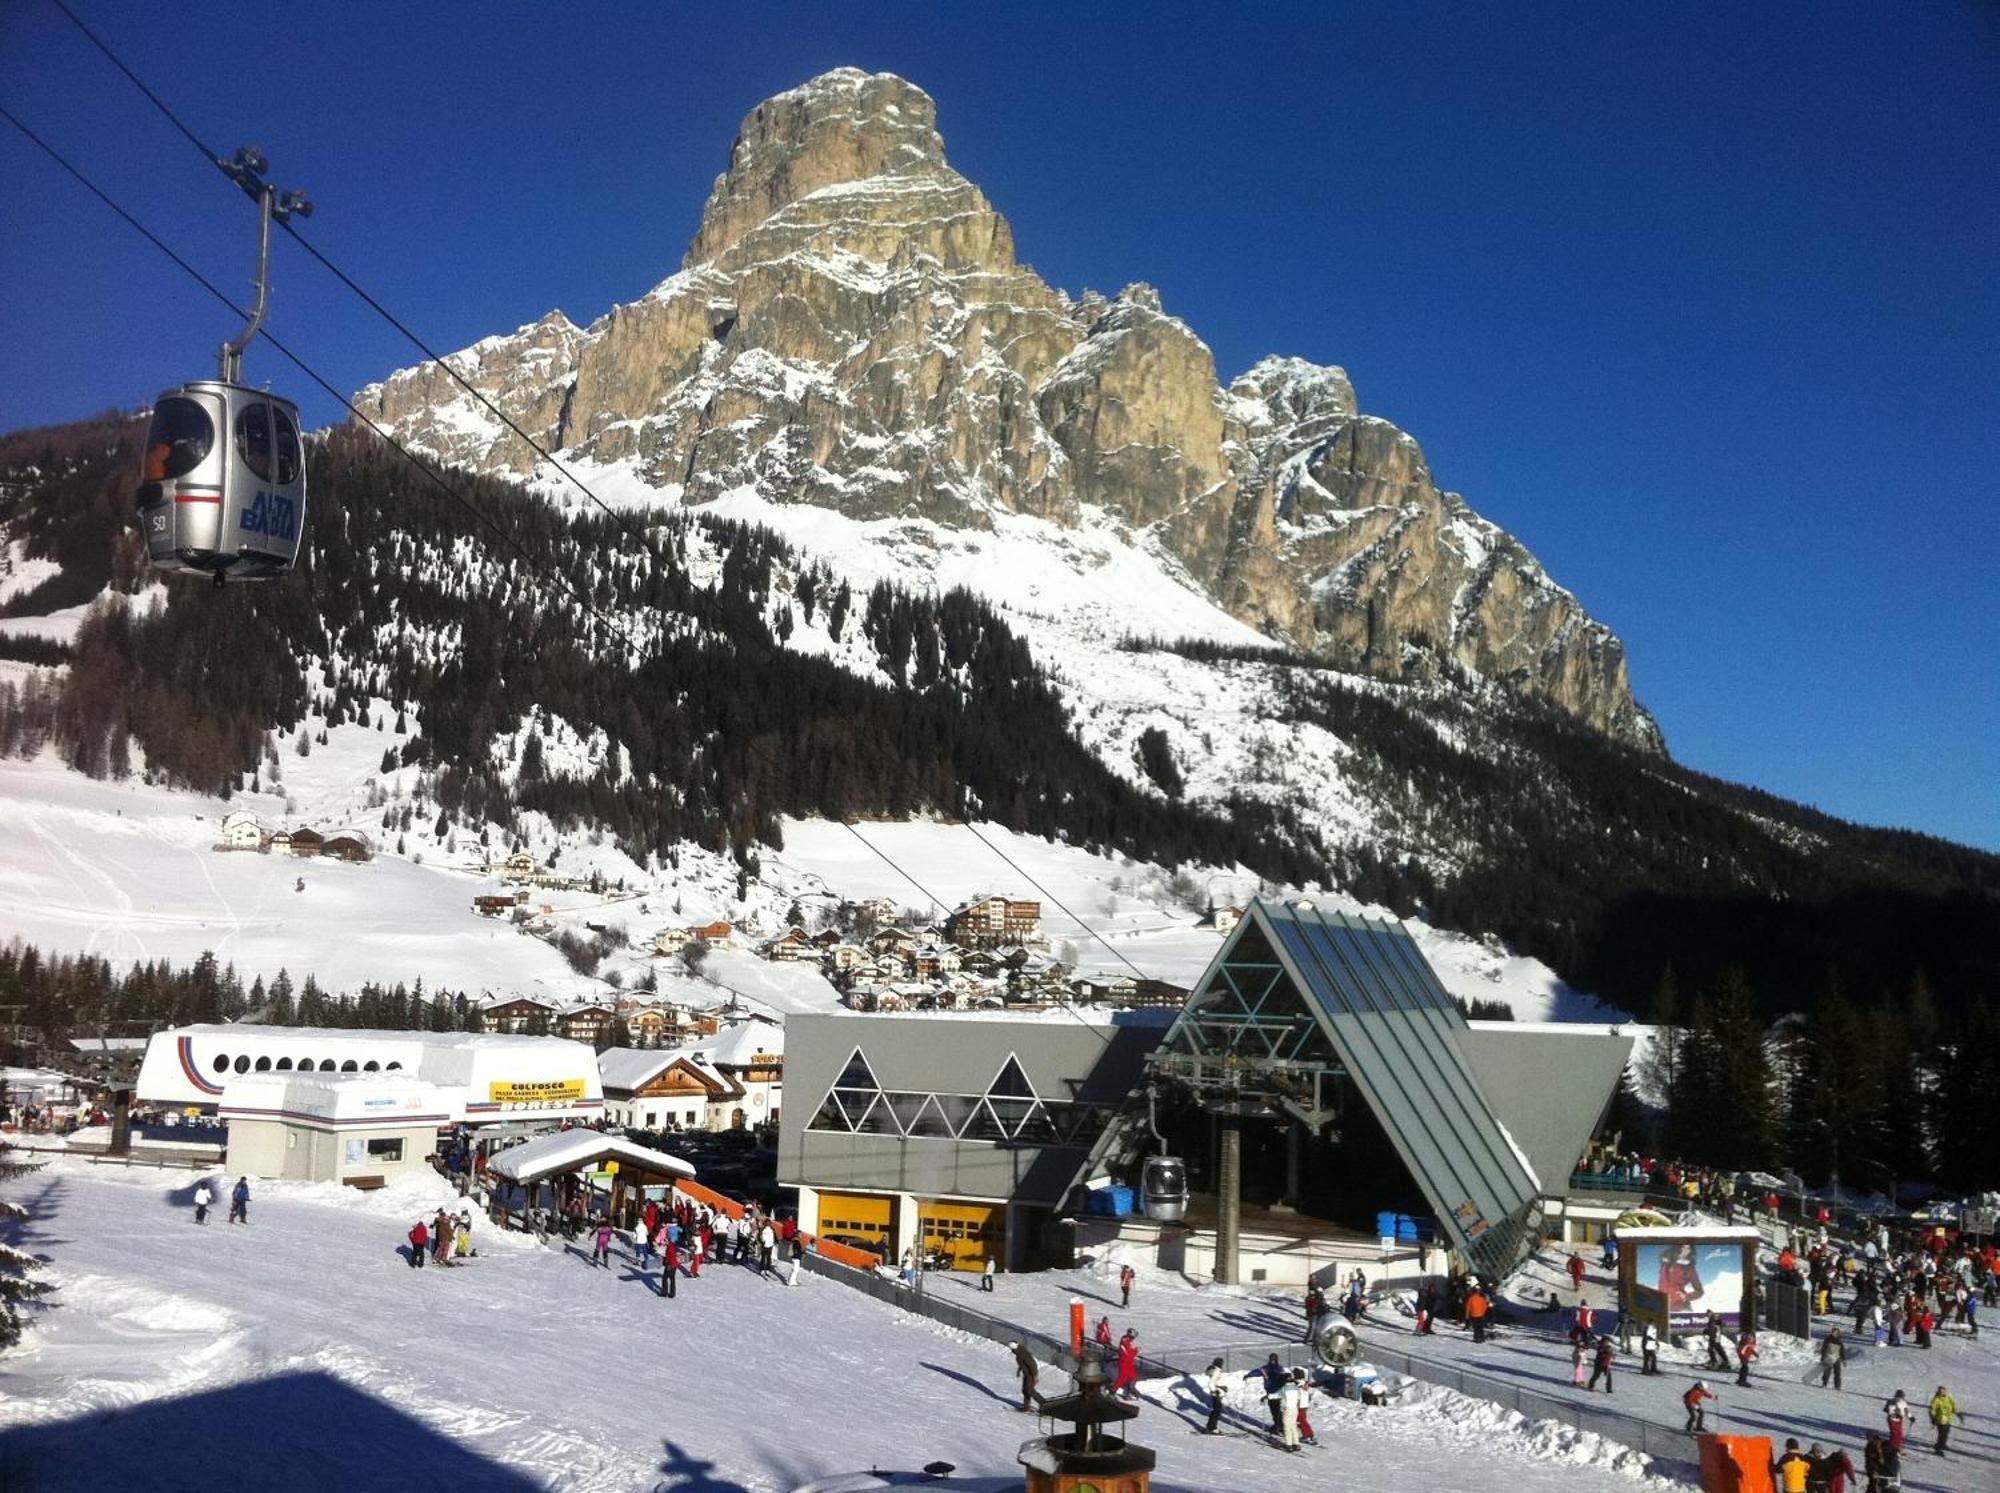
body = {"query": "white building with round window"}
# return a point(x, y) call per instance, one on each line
point(478, 1077)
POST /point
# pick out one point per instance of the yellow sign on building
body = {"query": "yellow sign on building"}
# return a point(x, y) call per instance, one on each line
point(537, 1092)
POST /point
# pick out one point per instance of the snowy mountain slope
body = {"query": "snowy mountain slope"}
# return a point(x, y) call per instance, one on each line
point(851, 331)
point(128, 872)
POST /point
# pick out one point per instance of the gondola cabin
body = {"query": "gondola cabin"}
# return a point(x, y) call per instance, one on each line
point(223, 487)
point(1164, 1188)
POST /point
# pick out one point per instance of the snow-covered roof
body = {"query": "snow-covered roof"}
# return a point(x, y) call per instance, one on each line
point(388, 1098)
point(567, 1150)
point(347, 1034)
point(738, 1044)
point(629, 1067)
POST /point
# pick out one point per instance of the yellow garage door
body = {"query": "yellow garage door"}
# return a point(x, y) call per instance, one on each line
point(858, 1215)
point(968, 1232)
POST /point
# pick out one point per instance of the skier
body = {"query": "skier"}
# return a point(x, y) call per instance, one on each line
point(601, 1253)
point(1746, 1353)
point(1649, 1350)
point(697, 1247)
point(1832, 1354)
point(1601, 1367)
point(986, 1273)
point(1475, 1313)
point(1576, 1362)
point(1881, 1462)
point(1426, 1309)
point(202, 1199)
point(442, 1230)
point(1576, 1269)
point(1835, 1468)
point(1125, 1277)
point(798, 1248)
point(1275, 1378)
point(420, 1240)
point(1127, 1381)
point(1792, 1469)
point(1030, 1371)
point(1717, 1359)
point(239, 1201)
point(670, 1267)
point(1288, 1413)
point(1212, 1382)
point(767, 1248)
point(1899, 1413)
point(462, 1248)
point(1944, 1412)
point(642, 1242)
point(1692, 1399)
point(1307, 1437)
point(1103, 1333)
point(1315, 1309)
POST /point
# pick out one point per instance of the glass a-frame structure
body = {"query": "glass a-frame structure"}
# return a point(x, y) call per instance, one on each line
point(1302, 1004)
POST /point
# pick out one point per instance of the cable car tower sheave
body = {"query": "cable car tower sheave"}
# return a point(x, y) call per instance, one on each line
point(222, 489)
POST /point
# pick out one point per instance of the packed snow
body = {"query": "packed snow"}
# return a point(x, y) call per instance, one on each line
point(167, 1349)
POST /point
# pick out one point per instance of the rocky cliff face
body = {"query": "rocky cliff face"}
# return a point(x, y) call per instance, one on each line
point(851, 329)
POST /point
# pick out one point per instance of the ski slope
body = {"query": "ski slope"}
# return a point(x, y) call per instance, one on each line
point(129, 872)
point(168, 1349)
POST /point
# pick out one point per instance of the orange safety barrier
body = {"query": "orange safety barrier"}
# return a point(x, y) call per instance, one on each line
point(1735, 1464)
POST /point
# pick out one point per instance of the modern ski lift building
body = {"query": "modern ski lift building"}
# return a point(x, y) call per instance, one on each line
point(1318, 1065)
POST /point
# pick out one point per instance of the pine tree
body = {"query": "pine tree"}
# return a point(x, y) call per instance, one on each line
point(16, 1289)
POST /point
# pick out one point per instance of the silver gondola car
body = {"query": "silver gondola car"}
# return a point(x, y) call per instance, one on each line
point(223, 486)
point(1164, 1187)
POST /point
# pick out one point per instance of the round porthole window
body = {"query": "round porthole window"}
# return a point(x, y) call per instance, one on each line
point(349, 1066)
point(371, 1066)
point(243, 1065)
point(326, 1065)
point(263, 1065)
point(221, 1064)
point(284, 1065)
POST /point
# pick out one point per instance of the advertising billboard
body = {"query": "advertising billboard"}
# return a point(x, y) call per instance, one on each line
point(549, 1093)
point(1694, 1276)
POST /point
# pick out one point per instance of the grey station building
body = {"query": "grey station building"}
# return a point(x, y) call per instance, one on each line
point(1318, 1077)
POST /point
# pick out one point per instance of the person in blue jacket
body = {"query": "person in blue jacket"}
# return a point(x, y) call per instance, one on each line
point(239, 1201)
point(1275, 1376)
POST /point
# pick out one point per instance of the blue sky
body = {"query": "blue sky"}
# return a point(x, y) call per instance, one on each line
point(1699, 301)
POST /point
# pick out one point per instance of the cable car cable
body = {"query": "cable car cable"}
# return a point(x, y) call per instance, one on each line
point(574, 588)
point(536, 446)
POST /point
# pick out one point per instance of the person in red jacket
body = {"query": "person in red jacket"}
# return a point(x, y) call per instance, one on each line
point(1692, 1399)
point(1127, 1381)
point(420, 1238)
point(1746, 1354)
point(1576, 1272)
point(670, 1262)
point(1103, 1333)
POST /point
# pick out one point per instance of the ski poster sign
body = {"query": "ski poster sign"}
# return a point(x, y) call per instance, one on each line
point(543, 1093)
point(1676, 1276)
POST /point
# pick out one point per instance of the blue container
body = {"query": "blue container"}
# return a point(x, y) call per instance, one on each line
point(1119, 1201)
point(1385, 1226)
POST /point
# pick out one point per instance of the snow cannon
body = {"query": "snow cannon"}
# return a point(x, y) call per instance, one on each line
point(1336, 1345)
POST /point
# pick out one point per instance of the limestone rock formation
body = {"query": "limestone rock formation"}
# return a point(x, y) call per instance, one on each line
point(851, 329)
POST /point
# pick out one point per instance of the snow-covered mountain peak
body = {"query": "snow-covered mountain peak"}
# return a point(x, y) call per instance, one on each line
point(851, 330)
